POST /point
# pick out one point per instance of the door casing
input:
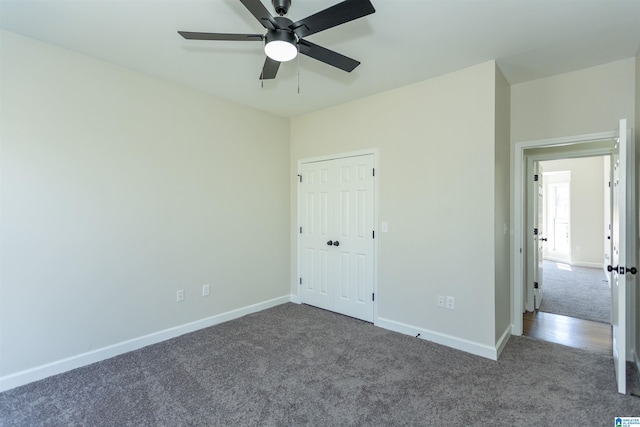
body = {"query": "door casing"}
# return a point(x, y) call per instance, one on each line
point(524, 152)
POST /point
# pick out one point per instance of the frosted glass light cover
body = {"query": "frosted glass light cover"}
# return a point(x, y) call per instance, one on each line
point(280, 51)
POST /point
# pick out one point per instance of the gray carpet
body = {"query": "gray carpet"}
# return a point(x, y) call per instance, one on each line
point(296, 365)
point(582, 292)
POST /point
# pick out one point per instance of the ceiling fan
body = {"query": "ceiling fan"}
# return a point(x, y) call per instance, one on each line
point(284, 38)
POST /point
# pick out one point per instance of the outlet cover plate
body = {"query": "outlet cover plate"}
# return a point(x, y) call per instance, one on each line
point(451, 303)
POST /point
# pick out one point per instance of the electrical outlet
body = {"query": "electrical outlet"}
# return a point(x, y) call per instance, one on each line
point(180, 295)
point(440, 301)
point(450, 303)
point(205, 290)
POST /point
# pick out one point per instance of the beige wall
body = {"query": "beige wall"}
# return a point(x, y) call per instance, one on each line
point(582, 102)
point(437, 155)
point(118, 189)
point(587, 208)
point(502, 205)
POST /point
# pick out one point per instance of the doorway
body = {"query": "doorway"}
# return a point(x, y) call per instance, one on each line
point(524, 155)
point(623, 218)
point(575, 295)
point(576, 224)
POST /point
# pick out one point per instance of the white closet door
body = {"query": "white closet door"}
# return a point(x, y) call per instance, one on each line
point(337, 241)
point(316, 229)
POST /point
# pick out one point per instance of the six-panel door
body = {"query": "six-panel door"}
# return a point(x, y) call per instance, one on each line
point(337, 242)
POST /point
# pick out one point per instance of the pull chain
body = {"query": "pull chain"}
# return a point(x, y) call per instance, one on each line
point(298, 71)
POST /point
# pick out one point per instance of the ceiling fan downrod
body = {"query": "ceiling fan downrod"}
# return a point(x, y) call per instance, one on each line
point(281, 6)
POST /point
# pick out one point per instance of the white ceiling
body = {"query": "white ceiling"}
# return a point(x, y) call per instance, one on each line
point(405, 41)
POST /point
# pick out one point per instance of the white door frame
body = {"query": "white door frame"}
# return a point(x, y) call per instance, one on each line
point(376, 204)
point(518, 191)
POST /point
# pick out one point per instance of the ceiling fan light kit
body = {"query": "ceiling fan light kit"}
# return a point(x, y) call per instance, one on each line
point(284, 38)
point(280, 45)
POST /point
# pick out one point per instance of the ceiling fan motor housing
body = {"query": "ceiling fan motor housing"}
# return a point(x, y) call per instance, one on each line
point(280, 35)
point(281, 6)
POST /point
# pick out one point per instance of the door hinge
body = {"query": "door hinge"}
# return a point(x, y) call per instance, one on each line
point(609, 184)
point(301, 280)
point(535, 285)
point(300, 177)
point(535, 177)
point(374, 171)
point(535, 232)
point(373, 296)
point(373, 234)
point(300, 230)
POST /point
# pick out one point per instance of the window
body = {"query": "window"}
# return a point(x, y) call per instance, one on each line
point(557, 215)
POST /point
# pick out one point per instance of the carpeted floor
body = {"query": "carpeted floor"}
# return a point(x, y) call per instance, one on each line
point(296, 365)
point(579, 292)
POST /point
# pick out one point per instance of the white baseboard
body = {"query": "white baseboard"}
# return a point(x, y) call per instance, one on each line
point(296, 299)
point(444, 339)
point(502, 342)
point(557, 259)
point(575, 263)
point(40, 372)
point(588, 264)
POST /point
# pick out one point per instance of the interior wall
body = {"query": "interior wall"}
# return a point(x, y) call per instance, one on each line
point(587, 196)
point(118, 189)
point(587, 101)
point(436, 191)
point(502, 205)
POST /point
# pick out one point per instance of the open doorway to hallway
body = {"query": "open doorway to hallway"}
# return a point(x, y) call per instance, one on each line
point(576, 293)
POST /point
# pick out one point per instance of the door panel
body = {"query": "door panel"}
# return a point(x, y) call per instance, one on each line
point(356, 185)
point(361, 283)
point(316, 210)
point(344, 216)
point(618, 257)
point(535, 246)
point(539, 238)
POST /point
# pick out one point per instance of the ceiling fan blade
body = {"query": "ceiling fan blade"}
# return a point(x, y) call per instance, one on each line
point(335, 15)
point(220, 36)
point(327, 56)
point(270, 69)
point(261, 13)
